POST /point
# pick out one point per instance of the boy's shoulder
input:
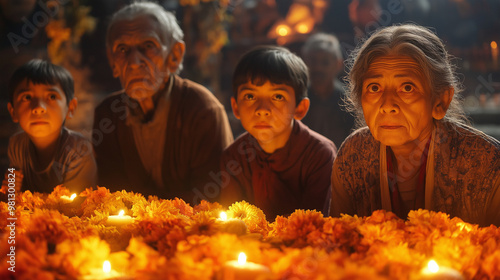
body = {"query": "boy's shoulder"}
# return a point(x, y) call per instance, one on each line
point(74, 144)
point(244, 141)
point(304, 133)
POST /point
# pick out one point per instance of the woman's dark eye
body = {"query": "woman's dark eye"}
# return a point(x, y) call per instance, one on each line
point(373, 88)
point(408, 88)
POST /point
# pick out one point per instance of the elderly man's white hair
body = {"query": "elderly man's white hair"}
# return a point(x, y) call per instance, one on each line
point(323, 42)
point(172, 32)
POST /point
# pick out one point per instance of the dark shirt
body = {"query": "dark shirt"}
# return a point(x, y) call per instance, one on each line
point(197, 132)
point(328, 118)
point(296, 176)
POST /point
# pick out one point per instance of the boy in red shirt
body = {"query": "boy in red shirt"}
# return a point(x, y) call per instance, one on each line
point(279, 164)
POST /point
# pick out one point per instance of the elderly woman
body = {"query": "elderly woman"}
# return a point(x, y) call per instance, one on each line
point(417, 150)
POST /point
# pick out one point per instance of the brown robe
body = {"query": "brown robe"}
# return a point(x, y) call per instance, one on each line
point(197, 132)
point(296, 176)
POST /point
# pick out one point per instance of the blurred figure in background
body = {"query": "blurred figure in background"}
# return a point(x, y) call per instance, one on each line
point(323, 56)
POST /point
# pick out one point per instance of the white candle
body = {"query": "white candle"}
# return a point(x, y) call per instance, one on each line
point(243, 270)
point(234, 226)
point(434, 272)
point(119, 220)
point(68, 199)
point(105, 273)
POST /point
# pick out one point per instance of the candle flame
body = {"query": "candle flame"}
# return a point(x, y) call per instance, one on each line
point(282, 30)
point(493, 45)
point(223, 216)
point(122, 212)
point(106, 266)
point(73, 196)
point(242, 258)
point(433, 266)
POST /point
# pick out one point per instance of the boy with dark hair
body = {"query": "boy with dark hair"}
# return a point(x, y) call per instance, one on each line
point(46, 154)
point(279, 164)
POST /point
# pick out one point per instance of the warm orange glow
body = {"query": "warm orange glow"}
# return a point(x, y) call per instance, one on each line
point(73, 196)
point(297, 13)
point(223, 216)
point(282, 30)
point(121, 213)
point(302, 28)
point(433, 266)
point(106, 267)
point(242, 258)
point(493, 45)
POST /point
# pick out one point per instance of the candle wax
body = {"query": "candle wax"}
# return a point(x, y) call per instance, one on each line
point(119, 220)
point(444, 273)
point(232, 270)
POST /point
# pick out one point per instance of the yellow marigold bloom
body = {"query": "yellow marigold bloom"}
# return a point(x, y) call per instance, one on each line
point(254, 218)
point(203, 223)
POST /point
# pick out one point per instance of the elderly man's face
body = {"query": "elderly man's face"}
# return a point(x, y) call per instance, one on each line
point(323, 68)
point(138, 56)
point(396, 100)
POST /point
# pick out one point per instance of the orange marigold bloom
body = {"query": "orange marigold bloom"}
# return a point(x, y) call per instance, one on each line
point(207, 206)
point(296, 230)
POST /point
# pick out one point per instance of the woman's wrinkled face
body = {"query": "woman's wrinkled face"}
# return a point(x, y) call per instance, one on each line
point(397, 102)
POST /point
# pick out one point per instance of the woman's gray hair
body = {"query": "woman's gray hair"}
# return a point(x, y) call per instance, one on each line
point(172, 32)
point(420, 44)
point(323, 42)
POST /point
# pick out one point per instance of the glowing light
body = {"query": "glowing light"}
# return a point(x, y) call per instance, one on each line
point(282, 30)
point(223, 216)
point(121, 213)
point(73, 196)
point(433, 266)
point(302, 28)
point(493, 45)
point(106, 267)
point(242, 258)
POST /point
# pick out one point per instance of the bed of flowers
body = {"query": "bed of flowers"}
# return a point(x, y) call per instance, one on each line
point(169, 239)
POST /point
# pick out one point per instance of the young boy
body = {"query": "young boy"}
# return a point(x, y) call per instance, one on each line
point(279, 164)
point(46, 154)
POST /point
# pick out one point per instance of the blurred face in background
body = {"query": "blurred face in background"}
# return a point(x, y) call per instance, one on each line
point(323, 70)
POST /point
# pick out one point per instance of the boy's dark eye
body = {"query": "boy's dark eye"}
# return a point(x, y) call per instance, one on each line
point(26, 97)
point(52, 97)
point(248, 96)
point(279, 97)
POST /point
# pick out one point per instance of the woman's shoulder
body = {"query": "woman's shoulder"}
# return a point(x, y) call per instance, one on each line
point(470, 138)
point(360, 138)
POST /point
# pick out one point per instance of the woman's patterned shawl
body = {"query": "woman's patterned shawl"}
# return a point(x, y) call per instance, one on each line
point(463, 175)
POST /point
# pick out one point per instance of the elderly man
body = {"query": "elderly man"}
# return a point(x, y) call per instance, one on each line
point(162, 135)
point(326, 115)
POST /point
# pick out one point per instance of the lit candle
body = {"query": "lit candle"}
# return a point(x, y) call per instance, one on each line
point(119, 220)
point(242, 270)
point(494, 54)
point(68, 199)
point(234, 226)
point(434, 272)
point(105, 273)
